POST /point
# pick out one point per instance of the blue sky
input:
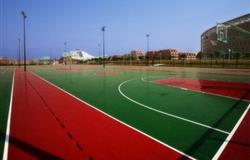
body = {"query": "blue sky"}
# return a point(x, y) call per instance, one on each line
point(171, 24)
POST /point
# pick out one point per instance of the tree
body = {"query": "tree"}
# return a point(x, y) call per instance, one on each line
point(216, 54)
point(199, 55)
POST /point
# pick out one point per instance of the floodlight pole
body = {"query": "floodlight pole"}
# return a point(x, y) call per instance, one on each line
point(70, 58)
point(160, 57)
point(24, 39)
point(65, 46)
point(147, 35)
point(50, 57)
point(130, 59)
point(99, 53)
point(103, 41)
point(19, 52)
point(229, 52)
point(65, 50)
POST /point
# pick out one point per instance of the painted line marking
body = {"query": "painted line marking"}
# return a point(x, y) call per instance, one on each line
point(137, 130)
point(229, 137)
point(208, 93)
point(79, 147)
point(185, 89)
point(165, 113)
point(7, 134)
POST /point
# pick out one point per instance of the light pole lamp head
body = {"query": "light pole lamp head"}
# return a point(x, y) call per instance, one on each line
point(147, 35)
point(24, 15)
point(103, 28)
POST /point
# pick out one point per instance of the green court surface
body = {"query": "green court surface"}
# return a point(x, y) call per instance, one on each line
point(192, 122)
point(5, 92)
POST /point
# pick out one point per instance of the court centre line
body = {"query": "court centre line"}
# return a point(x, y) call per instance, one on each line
point(165, 113)
point(7, 134)
point(108, 115)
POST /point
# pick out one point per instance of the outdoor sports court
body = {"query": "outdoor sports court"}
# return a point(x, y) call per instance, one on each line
point(124, 112)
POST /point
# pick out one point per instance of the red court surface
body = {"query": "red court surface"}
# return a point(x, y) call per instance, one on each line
point(228, 89)
point(47, 123)
point(239, 145)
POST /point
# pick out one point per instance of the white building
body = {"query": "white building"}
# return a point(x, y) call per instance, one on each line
point(78, 55)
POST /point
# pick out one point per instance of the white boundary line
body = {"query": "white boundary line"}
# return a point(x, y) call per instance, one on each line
point(165, 113)
point(227, 140)
point(139, 131)
point(6, 143)
point(213, 94)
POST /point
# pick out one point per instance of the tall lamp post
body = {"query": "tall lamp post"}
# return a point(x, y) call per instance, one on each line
point(50, 56)
point(99, 53)
point(65, 46)
point(147, 36)
point(19, 52)
point(65, 50)
point(24, 39)
point(103, 45)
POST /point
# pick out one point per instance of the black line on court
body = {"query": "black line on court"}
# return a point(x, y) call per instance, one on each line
point(57, 119)
point(62, 125)
point(52, 112)
point(78, 146)
point(70, 136)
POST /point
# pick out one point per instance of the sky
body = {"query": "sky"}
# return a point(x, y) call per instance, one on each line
point(175, 24)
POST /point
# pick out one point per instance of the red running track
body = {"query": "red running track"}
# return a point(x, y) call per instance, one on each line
point(47, 123)
point(229, 89)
